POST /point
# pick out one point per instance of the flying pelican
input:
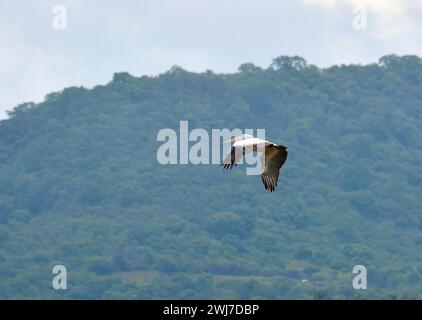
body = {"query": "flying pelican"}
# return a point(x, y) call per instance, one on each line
point(272, 158)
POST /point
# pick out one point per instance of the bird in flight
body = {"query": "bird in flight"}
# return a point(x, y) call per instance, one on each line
point(272, 158)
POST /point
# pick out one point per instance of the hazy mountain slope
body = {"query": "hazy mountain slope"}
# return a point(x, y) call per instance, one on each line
point(81, 186)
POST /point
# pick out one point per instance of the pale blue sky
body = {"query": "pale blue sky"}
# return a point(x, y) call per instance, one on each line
point(149, 36)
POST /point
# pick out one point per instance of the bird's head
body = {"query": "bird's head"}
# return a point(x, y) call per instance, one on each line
point(238, 138)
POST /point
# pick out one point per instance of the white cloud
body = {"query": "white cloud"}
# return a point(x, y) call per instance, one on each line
point(330, 4)
point(387, 18)
point(385, 7)
point(148, 37)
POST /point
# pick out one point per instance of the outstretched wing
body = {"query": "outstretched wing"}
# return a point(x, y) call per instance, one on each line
point(235, 155)
point(275, 156)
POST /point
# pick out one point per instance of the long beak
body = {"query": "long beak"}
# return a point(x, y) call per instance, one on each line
point(228, 141)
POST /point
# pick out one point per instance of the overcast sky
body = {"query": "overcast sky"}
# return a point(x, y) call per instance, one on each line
point(149, 36)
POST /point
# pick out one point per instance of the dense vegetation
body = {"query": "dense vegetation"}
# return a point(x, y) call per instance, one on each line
point(81, 186)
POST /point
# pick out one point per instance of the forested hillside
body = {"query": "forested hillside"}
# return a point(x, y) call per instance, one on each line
point(81, 186)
